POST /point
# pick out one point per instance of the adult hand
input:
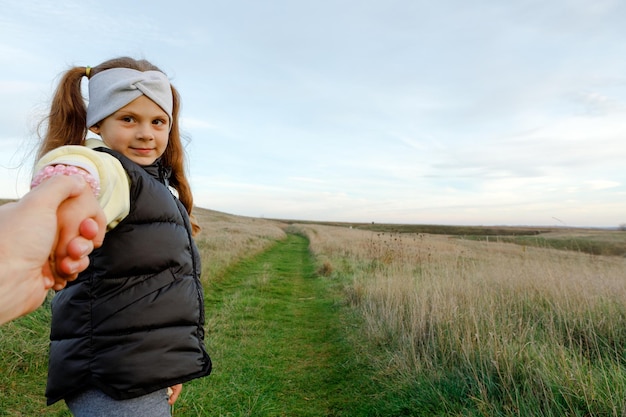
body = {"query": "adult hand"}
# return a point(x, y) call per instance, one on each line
point(29, 234)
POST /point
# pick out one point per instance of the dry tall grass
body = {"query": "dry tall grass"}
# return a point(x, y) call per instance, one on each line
point(526, 328)
point(226, 239)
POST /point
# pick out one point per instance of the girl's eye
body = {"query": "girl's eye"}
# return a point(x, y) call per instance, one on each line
point(159, 122)
point(127, 119)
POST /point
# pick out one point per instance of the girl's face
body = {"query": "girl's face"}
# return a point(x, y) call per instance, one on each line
point(139, 131)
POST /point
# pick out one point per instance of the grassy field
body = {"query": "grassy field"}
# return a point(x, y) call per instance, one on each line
point(587, 240)
point(594, 242)
point(388, 320)
point(479, 328)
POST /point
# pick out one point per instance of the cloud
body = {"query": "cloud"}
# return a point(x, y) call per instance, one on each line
point(602, 184)
point(597, 104)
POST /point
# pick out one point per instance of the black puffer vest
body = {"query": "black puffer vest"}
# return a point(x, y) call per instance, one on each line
point(132, 323)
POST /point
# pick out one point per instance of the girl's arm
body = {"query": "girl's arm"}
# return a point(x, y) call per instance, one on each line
point(114, 193)
point(110, 190)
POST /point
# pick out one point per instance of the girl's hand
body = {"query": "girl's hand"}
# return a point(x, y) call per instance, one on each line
point(176, 390)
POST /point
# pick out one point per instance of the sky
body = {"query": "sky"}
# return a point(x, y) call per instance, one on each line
point(453, 112)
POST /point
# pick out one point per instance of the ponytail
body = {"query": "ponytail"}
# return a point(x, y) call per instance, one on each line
point(67, 120)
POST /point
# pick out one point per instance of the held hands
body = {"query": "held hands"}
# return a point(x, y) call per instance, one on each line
point(81, 228)
point(31, 230)
point(77, 249)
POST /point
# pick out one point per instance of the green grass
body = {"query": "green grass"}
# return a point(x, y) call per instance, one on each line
point(24, 366)
point(278, 342)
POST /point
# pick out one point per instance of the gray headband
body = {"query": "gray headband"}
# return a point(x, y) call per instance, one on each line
point(112, 89)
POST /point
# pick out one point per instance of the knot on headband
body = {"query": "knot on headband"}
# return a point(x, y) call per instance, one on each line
point(112, 89)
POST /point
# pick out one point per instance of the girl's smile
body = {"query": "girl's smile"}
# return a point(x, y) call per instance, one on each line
point(139, 131)
point(143, 151)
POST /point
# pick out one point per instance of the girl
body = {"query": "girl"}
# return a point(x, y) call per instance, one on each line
point(129, 328)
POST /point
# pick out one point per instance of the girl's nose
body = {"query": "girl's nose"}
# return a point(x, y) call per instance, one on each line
point(145, 133)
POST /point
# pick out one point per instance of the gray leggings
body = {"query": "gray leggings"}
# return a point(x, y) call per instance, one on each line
point(95, 403)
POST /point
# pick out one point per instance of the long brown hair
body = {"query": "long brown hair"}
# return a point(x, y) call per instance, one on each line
point(67, 123)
